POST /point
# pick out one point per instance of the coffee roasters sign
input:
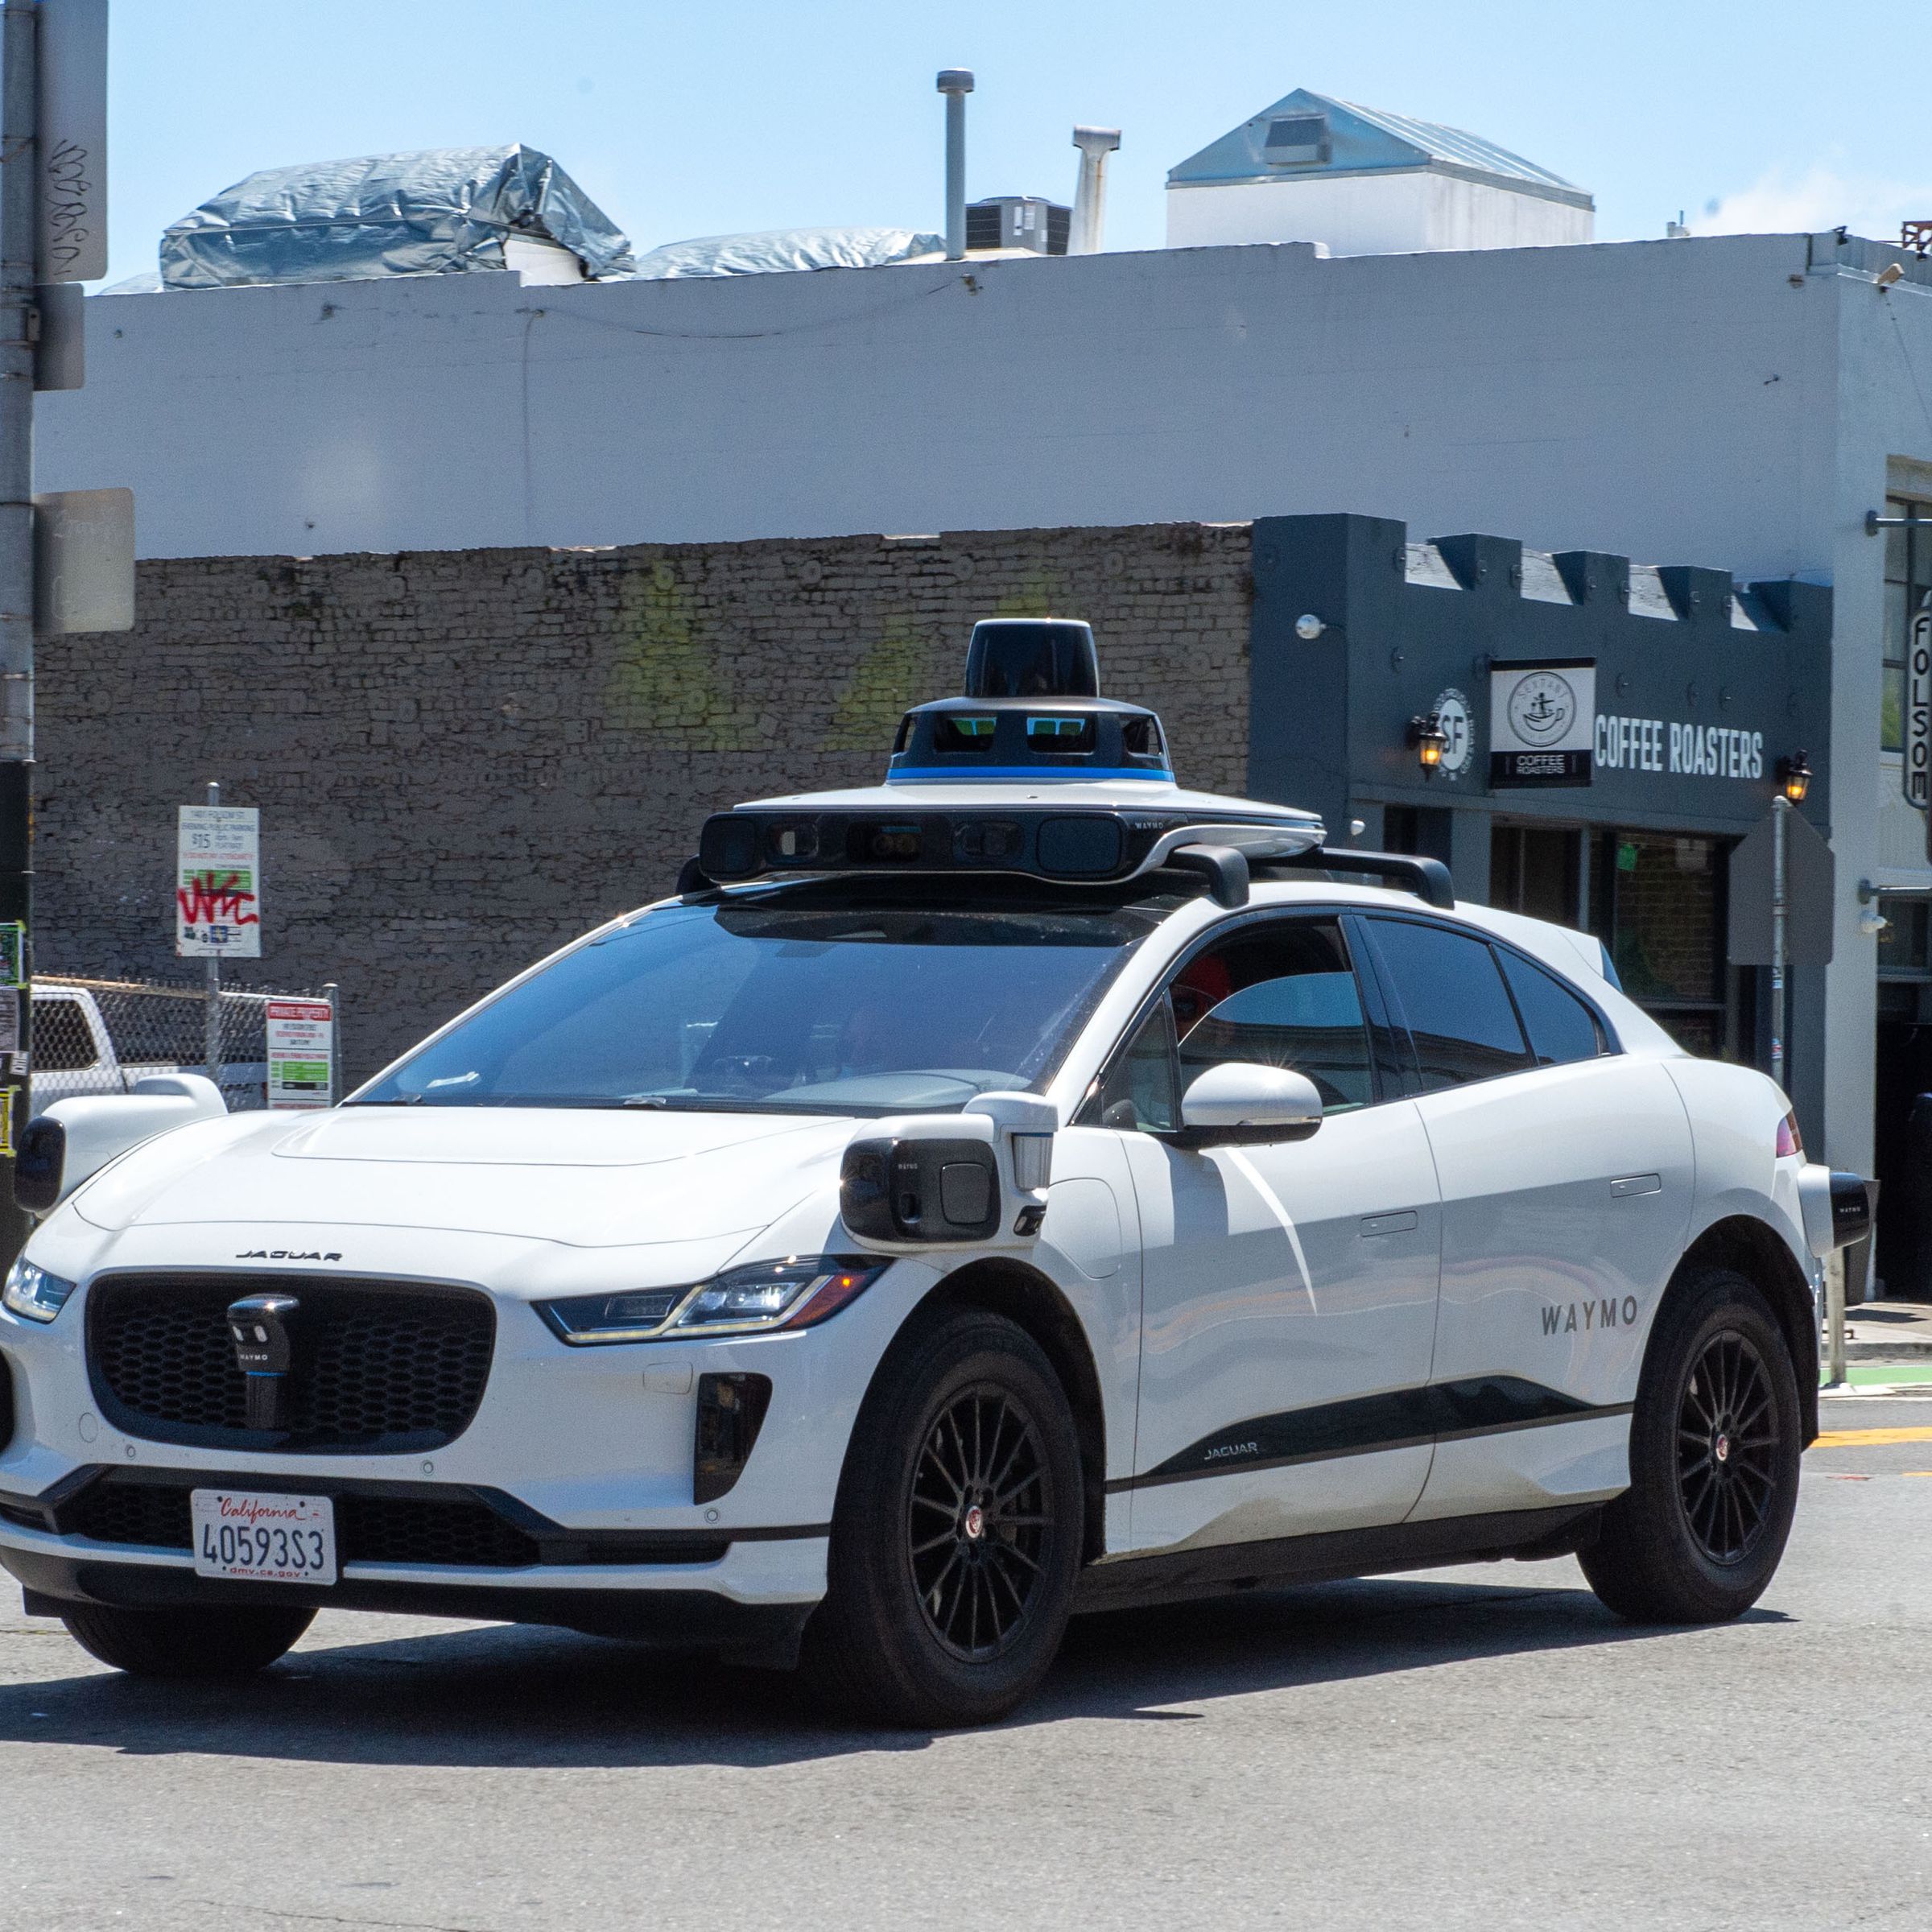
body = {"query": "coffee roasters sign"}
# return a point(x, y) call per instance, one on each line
point(1542, 713)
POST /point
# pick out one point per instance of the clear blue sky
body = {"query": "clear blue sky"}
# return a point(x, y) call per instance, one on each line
point(687, 117)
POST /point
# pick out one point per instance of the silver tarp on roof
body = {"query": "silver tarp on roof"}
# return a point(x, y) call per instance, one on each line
point(440, 211)
point(773, 251)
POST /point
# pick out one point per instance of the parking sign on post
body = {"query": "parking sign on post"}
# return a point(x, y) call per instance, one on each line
point(218, 883)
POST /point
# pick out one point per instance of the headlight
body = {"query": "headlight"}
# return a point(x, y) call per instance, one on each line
point(792, 1294)
point(32, 1292)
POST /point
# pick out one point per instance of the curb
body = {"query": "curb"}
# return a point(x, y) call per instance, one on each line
point(1889, 1351)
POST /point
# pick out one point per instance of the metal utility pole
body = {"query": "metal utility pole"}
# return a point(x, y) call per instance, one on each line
point(20, 234)
point(1781, 811)
point(211, 1020)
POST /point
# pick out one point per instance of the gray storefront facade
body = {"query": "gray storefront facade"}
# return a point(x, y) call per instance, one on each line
point(1609, 731)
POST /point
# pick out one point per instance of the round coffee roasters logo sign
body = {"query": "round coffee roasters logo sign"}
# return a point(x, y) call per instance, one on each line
point(1542, 707)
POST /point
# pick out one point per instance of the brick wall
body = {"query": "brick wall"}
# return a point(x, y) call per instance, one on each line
point(464, 758)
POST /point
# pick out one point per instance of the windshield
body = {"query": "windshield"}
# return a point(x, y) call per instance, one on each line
point(885, 1009)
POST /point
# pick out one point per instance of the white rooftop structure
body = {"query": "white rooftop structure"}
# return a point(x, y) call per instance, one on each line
point(1362, 182)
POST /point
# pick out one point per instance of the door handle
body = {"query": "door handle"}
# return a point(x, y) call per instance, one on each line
point(1638, 1183)
point(1398, 1223)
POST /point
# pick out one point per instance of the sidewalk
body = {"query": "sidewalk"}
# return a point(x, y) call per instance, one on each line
point(1888, 1331)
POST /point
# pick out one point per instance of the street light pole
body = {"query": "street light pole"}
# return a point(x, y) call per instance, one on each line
point(19, 115)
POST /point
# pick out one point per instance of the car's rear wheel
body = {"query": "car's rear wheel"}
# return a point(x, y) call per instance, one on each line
point(1714, 1458)
point(957, 1540)
point(187, 1642)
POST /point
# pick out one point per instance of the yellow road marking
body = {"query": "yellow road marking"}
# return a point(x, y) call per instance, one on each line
point(1860, 1438)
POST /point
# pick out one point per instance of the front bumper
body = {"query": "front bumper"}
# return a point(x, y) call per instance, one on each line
point(744, 1592)
point(585, 1454)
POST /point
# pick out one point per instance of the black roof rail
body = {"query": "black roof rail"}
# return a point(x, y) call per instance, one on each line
point(1427, 878)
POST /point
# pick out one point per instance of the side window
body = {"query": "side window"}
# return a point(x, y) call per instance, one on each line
point(1280, 995)
point(1452, 995)
point(1139, 1092)
point(1561, 1027)
point(62, 1041)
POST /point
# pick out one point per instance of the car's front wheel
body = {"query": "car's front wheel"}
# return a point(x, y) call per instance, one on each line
point(1714, 1457)
point(217, 1641)
point(957, 1540)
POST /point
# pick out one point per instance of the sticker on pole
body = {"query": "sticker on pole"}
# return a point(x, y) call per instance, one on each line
point(13, 953)
point(301, 1047)
point(218, 883)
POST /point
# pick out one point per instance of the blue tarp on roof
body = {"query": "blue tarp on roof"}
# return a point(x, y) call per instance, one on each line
point(775, 251)
point(1363, 140)
point(440, 211)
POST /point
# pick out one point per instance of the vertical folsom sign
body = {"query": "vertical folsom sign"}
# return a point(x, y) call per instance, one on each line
point(218, 883)
point(73, 198)
point(1917, 772)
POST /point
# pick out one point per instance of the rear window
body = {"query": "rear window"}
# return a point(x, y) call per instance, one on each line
point(1561, 1027)
point(1452, 998)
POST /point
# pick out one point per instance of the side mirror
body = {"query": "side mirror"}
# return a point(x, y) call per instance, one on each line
point(75, 1138)
point(974, 1180)
point(1241, 1102)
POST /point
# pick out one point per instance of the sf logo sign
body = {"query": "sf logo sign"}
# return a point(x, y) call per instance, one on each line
point(1452, 717)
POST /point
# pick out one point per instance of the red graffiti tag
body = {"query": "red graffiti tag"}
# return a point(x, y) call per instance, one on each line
point(216, 898)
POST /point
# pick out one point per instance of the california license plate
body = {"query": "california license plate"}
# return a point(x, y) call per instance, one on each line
point(262, 1537)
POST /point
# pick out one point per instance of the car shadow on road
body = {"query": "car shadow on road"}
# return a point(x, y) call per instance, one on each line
point(515, 1697)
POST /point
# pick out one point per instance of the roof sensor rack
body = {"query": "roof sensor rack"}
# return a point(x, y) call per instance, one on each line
point(1427, 878)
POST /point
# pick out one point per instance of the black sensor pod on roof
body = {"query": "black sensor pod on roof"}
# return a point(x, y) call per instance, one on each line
point(1032, 657)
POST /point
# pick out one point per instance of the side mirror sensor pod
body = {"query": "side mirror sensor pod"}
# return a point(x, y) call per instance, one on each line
point(1836, 1207)
point(973, 1180)
point(75, 1138)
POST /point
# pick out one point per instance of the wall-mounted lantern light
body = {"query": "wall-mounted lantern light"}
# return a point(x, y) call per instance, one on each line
point(1429, 741)
point(1794, 776)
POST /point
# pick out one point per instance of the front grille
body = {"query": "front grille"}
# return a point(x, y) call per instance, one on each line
point(381, 1366)
point(457, 1530)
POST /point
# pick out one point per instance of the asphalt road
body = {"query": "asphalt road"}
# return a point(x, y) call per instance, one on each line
point(1480, 1747)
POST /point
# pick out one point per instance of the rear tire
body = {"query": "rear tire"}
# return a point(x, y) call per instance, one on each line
point(1715, 1442)
point(957, 1540)
point(214, 1642)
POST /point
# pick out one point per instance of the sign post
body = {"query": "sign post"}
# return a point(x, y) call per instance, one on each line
point(217, 898)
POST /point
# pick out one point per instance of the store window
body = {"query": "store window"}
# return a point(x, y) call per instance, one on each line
point(1664, 921)
point(1535, 869)
point(1908, 579)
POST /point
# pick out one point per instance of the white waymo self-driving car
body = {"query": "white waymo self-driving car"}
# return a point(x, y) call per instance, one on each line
point(1023, 1188)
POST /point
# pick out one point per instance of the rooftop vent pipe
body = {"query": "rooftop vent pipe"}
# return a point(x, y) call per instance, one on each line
point(1090, 197)
point(955, 83)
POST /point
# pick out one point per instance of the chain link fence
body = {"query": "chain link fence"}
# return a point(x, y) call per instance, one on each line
point(99, 1036)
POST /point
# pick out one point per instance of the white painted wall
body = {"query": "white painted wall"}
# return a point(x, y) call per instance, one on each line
point(1618, 396)
point(1370, 214)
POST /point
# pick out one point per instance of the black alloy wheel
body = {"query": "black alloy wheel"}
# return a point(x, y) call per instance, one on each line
point(1727, 1446)
point(981, 1505)
point(956, 1539)
point(1714, 1441)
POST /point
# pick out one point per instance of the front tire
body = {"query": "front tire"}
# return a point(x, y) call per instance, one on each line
point(1715, 1442)
point(186, 1642)
point(955, 1543)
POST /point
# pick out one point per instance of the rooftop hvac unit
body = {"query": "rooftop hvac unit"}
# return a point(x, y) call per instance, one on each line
point(1019, 221)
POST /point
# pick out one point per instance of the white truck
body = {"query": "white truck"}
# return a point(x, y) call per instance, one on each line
point(74, 1053)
